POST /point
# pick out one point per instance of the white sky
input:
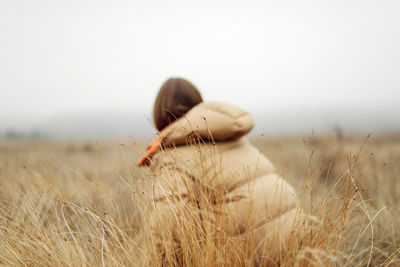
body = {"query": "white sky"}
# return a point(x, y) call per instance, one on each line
point(76, 56)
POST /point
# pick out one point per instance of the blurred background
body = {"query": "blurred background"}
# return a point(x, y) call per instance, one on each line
point(92, 69)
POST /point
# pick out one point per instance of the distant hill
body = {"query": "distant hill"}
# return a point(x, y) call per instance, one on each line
point(124, 124)
point(100, 124)
point(306, 121)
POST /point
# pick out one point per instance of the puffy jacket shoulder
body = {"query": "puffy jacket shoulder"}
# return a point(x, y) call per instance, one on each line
point(210, 120)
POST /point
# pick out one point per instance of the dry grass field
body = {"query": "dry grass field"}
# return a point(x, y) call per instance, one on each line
point(76, 203)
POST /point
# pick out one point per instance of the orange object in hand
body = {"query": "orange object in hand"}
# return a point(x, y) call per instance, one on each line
point(153, 146)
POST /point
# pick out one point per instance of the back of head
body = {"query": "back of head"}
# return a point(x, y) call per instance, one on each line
point(176, 97)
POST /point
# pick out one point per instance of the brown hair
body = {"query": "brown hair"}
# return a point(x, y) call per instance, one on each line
point(176, 97)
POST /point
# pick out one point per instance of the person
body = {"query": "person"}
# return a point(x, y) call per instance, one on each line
point(203, 166)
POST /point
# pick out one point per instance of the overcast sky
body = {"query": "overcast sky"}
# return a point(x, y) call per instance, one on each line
point(58, 57)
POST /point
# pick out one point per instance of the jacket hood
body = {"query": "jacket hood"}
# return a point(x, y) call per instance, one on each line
point(209, 120)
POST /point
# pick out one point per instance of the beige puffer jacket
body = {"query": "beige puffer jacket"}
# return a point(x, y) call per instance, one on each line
point(222, 160)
